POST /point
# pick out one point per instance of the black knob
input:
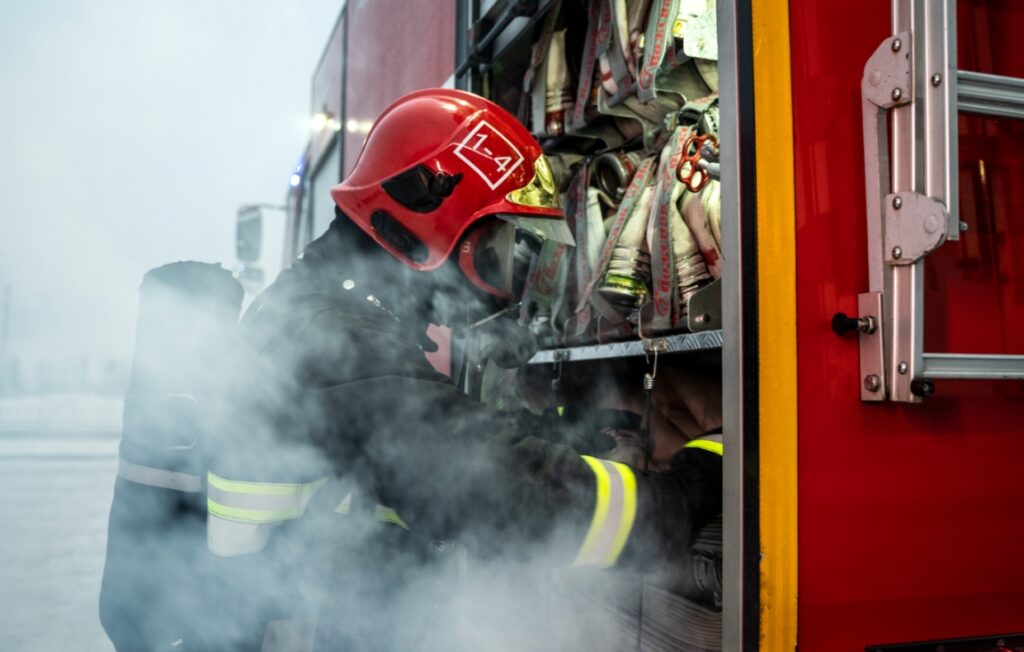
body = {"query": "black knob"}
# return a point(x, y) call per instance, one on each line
point(922, 388)
point(843, 323)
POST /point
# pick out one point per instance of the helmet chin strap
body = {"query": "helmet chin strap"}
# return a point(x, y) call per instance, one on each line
point(467, 262)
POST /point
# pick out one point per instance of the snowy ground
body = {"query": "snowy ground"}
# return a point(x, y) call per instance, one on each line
point(58, 458)
point(51, 413)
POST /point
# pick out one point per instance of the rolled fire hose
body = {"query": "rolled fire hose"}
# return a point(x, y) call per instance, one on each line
point(692, 271)
point(658, 48)
point(694, 211)
point(613, 171)
point(627, 209)
point(558, 87)
point(589, 235)
point(585, 121)
point(625, 284)
point(639, 11)
point(533, 100)
point(617, 73)
point(595, 231)
point(587, 73)
point(677, 268)
point(713, 209)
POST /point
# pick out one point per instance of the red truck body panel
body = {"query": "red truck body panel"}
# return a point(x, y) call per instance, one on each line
point(394, 47)
point(910, 515)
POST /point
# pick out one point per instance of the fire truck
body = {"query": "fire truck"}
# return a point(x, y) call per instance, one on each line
point(866, 310)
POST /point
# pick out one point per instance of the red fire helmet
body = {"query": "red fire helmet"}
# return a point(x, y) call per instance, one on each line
point(439, 160)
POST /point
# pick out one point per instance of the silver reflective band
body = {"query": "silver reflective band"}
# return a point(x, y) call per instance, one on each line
point(614, 513)
point(279, 505)
point(228, 538)
point(154, 477)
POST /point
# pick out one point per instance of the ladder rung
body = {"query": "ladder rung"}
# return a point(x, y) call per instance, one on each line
point(974, 366)
point(979, 92)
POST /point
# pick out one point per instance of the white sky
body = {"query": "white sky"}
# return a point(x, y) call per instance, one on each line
point(130, 131)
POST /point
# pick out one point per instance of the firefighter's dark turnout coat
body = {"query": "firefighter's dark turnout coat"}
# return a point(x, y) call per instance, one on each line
point(344, 458)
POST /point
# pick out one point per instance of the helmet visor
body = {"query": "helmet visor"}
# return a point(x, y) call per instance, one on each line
point(541, 191)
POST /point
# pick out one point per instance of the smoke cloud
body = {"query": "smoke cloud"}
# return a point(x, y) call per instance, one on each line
point(136, 131)
point(479, 556)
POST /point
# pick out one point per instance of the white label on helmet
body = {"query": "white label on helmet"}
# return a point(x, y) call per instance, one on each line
point(488, 153)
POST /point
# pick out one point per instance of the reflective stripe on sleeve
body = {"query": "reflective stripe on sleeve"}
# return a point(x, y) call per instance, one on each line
point(258, 502)
point(161, 478)
point(345, 506)
point(386, 514)
point(709, 443)
point(382, 513)
point(614, 513)
point(229, 538)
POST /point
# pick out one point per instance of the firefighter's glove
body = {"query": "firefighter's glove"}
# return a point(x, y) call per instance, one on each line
point(504, 342)
point(583, 435)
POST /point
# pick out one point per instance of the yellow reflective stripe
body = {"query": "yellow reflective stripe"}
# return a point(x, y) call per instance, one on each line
point(614, 513)
point(704, 444)
point(389, 515)
point(628, 512)
point(258, 502)
point(381, 513)
point(600, 511)
point(345, 505)
point(264, 488)
point(251, 515)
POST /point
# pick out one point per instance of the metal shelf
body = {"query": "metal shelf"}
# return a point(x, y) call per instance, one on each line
point(681, 343)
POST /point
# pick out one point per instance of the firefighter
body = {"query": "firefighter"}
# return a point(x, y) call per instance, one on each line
point(339, 414)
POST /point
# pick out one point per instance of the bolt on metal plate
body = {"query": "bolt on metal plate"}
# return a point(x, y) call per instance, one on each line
point(658, 344)
point(915, 225)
